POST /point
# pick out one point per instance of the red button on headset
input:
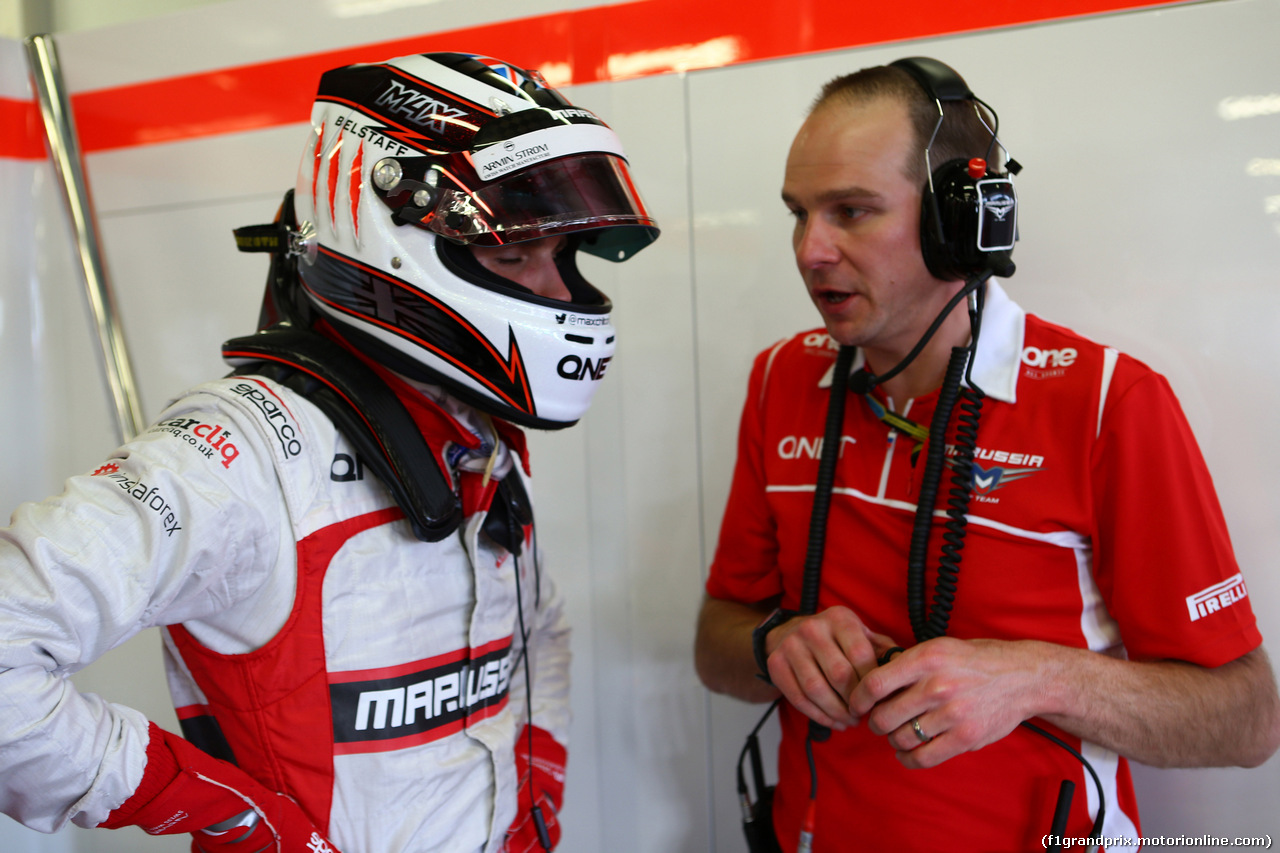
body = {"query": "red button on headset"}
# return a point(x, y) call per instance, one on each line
point(977, 168)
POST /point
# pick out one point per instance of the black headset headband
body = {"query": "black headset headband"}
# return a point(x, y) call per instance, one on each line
point(938, 79)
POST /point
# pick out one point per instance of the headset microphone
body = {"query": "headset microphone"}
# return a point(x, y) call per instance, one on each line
point(1002, 265)
point(862, 381)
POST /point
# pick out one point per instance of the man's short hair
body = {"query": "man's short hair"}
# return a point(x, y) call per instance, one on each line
point(962, 133)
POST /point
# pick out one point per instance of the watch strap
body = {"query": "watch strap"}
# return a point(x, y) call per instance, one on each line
point(758, 635)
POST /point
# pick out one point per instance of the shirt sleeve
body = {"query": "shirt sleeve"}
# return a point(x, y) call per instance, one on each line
point(1163, 557)
point(745, 567)
point(148, 538)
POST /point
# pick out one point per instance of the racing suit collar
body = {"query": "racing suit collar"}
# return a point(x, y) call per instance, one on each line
point(433, 419)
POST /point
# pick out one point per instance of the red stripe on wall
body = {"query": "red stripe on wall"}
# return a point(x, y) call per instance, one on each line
point(23, 138)
point(605, 43)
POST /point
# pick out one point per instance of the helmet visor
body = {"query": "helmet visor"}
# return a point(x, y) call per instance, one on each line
point(584, 192)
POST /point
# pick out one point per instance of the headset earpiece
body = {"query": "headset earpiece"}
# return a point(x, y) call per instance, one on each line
point(979, 212)
point(969, 212)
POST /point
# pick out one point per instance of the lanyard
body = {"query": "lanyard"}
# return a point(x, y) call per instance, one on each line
point(895, 421)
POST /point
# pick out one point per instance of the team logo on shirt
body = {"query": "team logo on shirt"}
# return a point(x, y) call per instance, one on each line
point(1013, 467)
point(1047, 363)
point(378, 710)
point(987, 480)
point(318, 844)
point(821, 341)
point(801, 447)
point(1217, 597)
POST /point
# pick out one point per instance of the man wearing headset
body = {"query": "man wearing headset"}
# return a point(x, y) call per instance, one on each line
point(1098, 595)
point(364, 650)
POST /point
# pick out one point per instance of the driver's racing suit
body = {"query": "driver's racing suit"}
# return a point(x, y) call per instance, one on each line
point(374, 677)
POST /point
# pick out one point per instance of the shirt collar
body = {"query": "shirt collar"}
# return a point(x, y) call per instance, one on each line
point(995, 369)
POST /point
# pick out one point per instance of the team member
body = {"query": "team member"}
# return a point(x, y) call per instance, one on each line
point(364, 649)
point(1093, 587)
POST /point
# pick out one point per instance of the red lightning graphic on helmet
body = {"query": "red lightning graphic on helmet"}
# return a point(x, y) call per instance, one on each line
point(353, 191)
point(315, 173)
point(333, 181)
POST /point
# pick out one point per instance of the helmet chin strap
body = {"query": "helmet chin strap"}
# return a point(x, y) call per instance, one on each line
point(864, 380)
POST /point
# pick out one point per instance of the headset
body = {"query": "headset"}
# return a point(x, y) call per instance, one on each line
point(969, 209)
point(969, 217)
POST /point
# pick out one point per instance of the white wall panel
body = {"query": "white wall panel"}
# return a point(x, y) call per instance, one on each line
point(55, 415)
point(748, 295)
point(193, 173)
point(21, 317)
point(642, 485)
point(184, 289)
point(55, 402)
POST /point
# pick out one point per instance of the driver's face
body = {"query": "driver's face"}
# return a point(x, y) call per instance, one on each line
point(531, 263)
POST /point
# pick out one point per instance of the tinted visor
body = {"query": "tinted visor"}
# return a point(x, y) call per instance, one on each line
point(590, 192)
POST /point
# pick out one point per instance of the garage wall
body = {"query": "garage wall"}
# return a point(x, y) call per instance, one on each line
point(1150, 221)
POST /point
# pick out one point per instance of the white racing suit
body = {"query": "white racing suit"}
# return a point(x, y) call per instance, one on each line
point(374, 677)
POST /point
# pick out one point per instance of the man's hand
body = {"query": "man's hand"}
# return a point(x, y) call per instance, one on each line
point(817, 662)
point(965, 694)
point(814, 660)
point(961, 694)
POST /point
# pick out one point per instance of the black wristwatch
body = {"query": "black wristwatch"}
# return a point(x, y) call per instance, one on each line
point(773, 620)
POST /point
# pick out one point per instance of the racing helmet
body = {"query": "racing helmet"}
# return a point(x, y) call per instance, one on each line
point(411, 160)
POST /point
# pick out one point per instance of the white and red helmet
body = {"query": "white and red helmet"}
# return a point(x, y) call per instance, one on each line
point(412, 159)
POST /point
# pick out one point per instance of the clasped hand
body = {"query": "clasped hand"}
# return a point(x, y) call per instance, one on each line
point(960, 694)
